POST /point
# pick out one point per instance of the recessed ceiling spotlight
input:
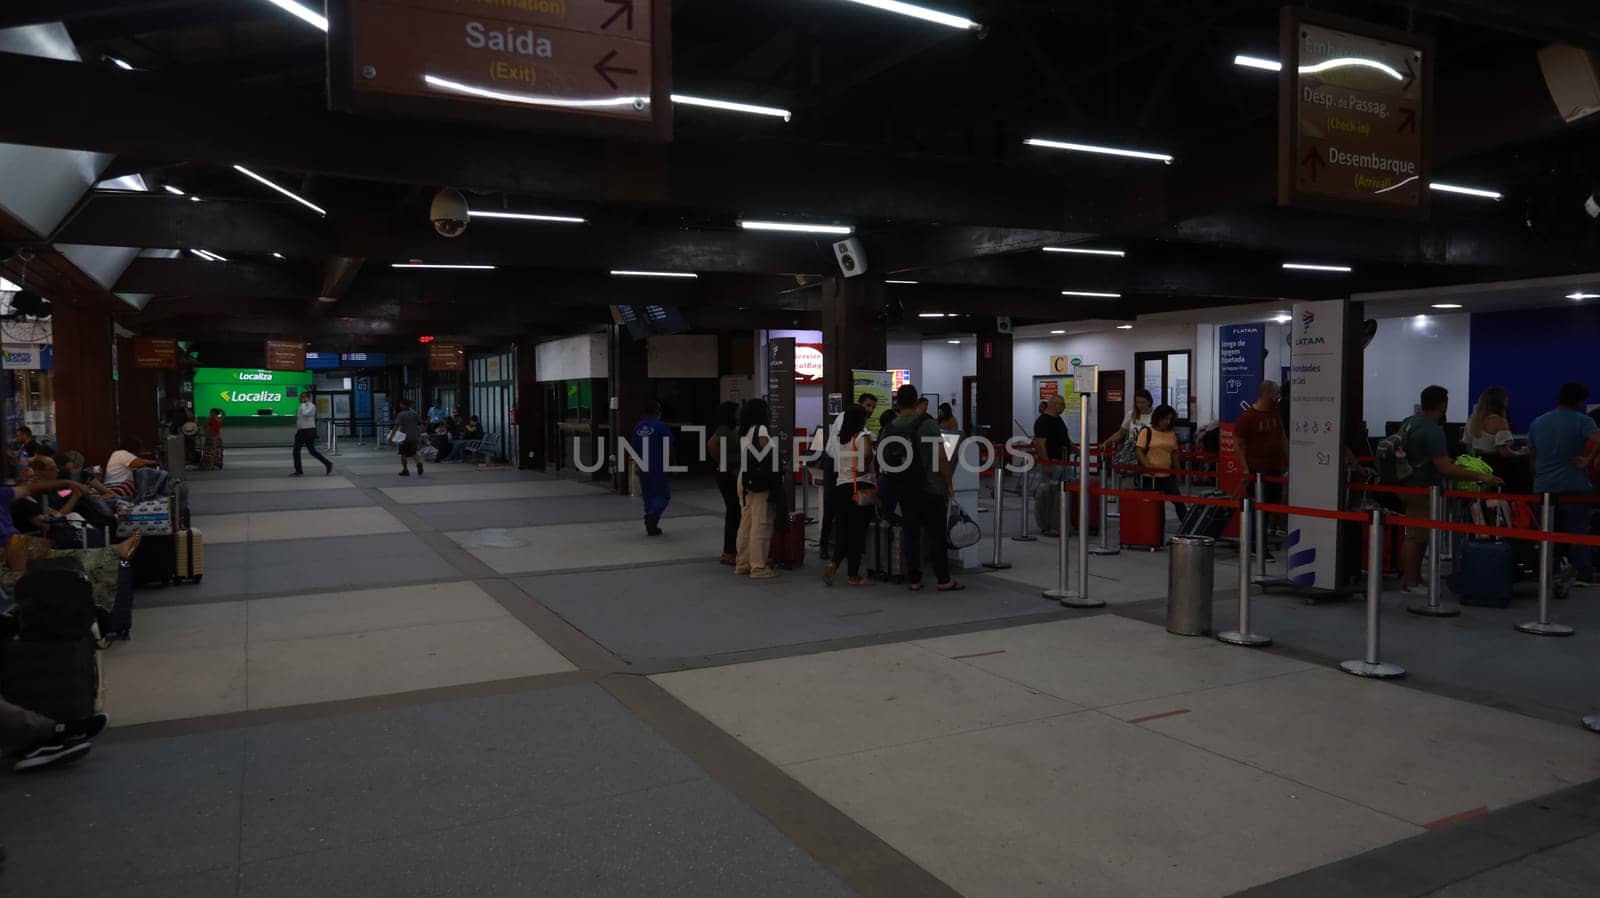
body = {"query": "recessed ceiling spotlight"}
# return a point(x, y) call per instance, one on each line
point(1098, 150)
point(1282, 318)
point(277, 255)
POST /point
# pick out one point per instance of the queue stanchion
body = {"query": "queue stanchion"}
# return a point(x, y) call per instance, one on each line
point(1544, 626)
point(1432, 608)
point(1081, 598)
point(1243, 636)
point(1371, 665)
point(1105, 547)
point(999, 519)
point(1024, 537)
point(1061, 593)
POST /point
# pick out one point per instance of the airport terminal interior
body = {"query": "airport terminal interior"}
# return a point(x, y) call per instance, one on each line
point(800, 448)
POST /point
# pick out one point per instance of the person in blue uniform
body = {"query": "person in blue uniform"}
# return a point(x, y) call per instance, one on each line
point(651, 439)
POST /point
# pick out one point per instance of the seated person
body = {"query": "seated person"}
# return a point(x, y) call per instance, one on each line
point(101, 566)
point(39, 742)
point(473, 431)
point(439, 438)
point(120, 467)
point(27, 445)
point(37, 513)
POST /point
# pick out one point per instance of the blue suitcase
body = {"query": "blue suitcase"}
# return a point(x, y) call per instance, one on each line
point(1485, 572)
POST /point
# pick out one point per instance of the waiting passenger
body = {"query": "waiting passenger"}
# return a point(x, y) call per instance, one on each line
point(947, 419)
point(120, 466)
point(923, 483)
point(1157, 447)
point(39, 742)
point(854, 495)
point(472, 430)
point(758, 474)
point(1135, 421)
point(1488, 435)
point(1428, 453)
point(41, 513)
point(1566, 443)
point(101, 565)
point(652, 442)
point(725, 440)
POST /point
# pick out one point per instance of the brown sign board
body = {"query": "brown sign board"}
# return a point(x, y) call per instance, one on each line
point(589, 66)
point(286, 355)
point(155, 352)
point(1355, 116)
point(447, 357)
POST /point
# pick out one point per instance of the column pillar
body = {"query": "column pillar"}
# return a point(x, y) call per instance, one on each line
point(531, 411)
point(854, 334)
point(85, 396)
point(993, 414)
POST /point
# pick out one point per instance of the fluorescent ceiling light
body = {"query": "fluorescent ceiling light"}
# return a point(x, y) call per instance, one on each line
point(526, 216)
point(796, 227)
point(1447, 305)
point(533, 99)
point(194, 199)
point(172, 190)
point(1124, 327)
point(922, 12)
point(730, 106)
point(1057, 332)
point(1085, 251)
point(1466, 191)
point(1352, 62)
point(120, 63)
point(622, 273)
point(1306, 266)
point(1282, 318)
point(1258, 62)
point(954, 342)
point(1581, 295)
point(277, 255)
point(1092, 148)
point(440, 265)
point(283, 190)
point(930, 314)
point(303, 13)
point(1091, 294)
point(899, 282)
point(208, 255)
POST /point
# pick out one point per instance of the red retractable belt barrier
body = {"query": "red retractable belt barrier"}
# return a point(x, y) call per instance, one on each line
point(1272, 508)
point(1543, 536)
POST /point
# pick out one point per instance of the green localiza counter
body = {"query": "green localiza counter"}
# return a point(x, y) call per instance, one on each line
point(258, 406)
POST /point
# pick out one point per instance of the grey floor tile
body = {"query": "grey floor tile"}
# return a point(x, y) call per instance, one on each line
point(337, 782)
point(128, 814)
point(699, 609)
point(449, 516)
point(235, 503)
point(220, 883)
point(236, 570)
point(688, 840)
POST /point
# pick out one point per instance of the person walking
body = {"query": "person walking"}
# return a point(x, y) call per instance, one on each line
point(305, 434)
point(758, 474)
point(1565, 444)
point(1427, 450)
point(724, 441)
point(409, 429)
point(1157, 448)
point(854, 494)
point(923, 480)
point(652, 441)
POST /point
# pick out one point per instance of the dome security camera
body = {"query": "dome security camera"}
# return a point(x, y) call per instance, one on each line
point(449, 213)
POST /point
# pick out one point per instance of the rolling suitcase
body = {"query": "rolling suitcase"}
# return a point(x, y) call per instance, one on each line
point(1485, 573)
point(155, 564)
point(1047, 506)
point(58, 678)
point(789, 545)
point(1207, 520)
point(118, 622)
point(190, 560)
point(1094, 512)
point(177, 453)
point(1143, 523)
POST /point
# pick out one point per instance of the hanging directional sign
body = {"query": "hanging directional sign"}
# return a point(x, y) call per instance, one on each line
point(594, 66)
point(1355, 116)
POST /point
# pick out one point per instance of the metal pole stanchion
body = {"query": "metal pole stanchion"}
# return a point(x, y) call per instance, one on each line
point(1061, 593)
point(1243, 636)
point(1082, 599)
point(1261, 526)
point(1370, 666)
point(1543, 626)
point(999, 518)
point(1024, 538)
point(1432, 608)
point(1105, 547)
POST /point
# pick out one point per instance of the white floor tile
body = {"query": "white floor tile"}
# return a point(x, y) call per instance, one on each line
point(468, 492)
point(266, 526)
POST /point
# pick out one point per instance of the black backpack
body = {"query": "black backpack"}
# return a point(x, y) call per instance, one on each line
point(902, 457)
point(54, 602)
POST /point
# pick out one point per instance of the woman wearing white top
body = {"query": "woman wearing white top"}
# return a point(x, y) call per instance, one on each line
point(853, 496)
point(758, 465)
point(1137, 420)
point(1488, 435)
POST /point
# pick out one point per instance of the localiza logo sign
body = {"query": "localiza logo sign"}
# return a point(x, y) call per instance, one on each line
point(255, 375)
point(246, 396)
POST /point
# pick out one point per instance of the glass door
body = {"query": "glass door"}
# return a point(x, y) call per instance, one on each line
point(1166, 375)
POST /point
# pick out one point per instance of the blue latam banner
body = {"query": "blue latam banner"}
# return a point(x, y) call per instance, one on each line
point(1241, 357)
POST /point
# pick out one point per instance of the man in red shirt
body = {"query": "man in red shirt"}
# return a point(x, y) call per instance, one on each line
point(1259, 439)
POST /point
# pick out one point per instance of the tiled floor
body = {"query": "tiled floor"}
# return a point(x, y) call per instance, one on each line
point(435, 688)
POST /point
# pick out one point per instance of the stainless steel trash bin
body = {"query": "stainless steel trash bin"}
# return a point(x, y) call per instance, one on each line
point(1190, 575)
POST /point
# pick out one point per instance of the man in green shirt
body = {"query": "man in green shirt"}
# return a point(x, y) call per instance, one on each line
point(1428, 452)
point(912, 454)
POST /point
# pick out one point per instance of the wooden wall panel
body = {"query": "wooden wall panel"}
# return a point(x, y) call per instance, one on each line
point(85, 396)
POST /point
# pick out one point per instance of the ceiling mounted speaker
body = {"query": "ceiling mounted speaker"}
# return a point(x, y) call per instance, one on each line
point(852, 258)
point(1002, 325)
